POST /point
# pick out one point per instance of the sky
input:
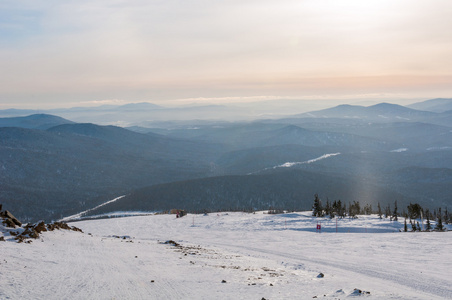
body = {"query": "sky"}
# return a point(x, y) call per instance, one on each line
point(84, 53)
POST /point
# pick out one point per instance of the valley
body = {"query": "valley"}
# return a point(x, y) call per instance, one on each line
point(52, 167)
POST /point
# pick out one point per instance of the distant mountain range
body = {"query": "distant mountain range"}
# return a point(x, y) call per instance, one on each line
point(154, 116)
point(138, 114)
point(438, 105)
point(52, 167)
point(37, 121)
point(67, 168)
point(383, 112)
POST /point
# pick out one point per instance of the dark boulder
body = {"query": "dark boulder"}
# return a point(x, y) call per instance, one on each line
point(6, 215)
point(9, 223)
point(40, 227)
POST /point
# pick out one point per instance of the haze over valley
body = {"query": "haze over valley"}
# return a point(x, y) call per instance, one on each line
point(52, 167)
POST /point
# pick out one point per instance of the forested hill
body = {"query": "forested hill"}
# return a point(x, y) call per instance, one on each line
point(291, 190)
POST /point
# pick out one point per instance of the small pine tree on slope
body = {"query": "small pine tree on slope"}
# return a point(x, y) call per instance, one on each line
point(317, 210)
point(395, 214)
point(439, 222)
point(429, 225)
point(379, 211)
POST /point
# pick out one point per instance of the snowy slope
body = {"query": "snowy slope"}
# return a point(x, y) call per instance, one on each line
point(228, 256)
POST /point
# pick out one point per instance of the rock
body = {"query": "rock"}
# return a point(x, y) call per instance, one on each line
point(2, 238)
point(30, 232)
point(321, 275)
point(40, 227)
point(223, 281)
point(9, 223)
point(359, 292)
point(62, 225)
point(10, 216)
point(73, 228)
point(9, 220)
point(171, 242)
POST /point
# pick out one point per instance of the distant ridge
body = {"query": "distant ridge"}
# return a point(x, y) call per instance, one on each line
point(380, 112)
point(36, 121)
point(438, 105)
point(138, 106)
point(14, 112)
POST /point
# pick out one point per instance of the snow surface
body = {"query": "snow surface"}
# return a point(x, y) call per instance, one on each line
point(399, 150)
point(229, 256)
point(83, 213)
point(291, 164)
point(439, 148)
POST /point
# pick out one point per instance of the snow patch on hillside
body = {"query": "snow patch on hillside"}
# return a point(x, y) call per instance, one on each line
point(291, 164)
point(438, 148)
point(83, 213)
point(399, 150)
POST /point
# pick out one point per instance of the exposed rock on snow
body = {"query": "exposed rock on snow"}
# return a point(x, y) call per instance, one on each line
point(9, 220)
point(30, 231)
point(358, 292)
point(171, 242)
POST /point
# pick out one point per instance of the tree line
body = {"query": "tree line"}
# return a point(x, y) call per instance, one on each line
point(412, 213)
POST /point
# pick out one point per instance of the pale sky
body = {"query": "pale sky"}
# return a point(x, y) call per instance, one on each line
point(57, 53)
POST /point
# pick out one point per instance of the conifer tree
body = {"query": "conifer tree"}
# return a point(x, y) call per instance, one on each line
point(414, 211)
point(429, 225)
point(413, 225)
point(379, 211)
point(387, 211)
point(395, 214)
point(336, 208)
point(354, 209)
point(367, 210)
point(317, 210)
point(328, 209)
point(439, 222)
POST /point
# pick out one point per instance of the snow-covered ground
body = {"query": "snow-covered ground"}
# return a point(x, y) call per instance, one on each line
point(229, 256)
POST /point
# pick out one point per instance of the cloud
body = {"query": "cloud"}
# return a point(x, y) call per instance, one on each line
point(176, 50)
point(103, 102)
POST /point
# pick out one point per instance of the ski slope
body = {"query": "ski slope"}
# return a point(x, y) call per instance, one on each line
point(229, 256)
